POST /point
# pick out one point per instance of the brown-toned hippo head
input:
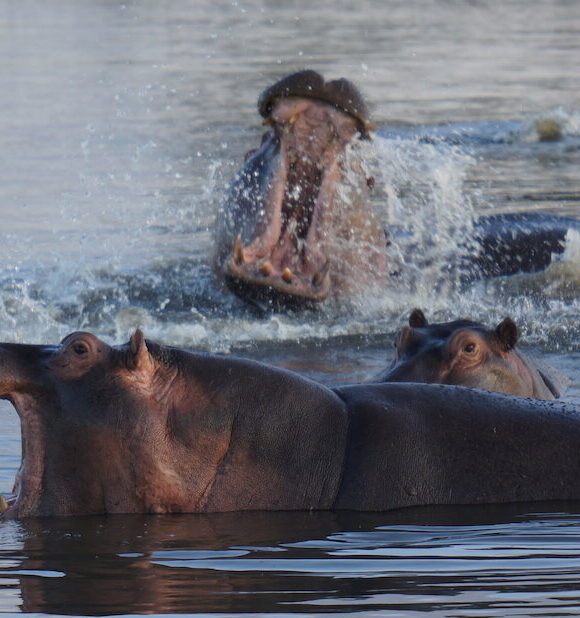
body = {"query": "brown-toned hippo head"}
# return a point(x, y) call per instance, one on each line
point(145, 428)
point(467, 353)
point(296, 226)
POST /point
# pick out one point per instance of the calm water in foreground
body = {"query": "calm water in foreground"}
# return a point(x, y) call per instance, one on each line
point(121, 125)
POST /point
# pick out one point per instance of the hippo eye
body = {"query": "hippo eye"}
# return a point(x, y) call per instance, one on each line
point(80, 349)
point(469, 348)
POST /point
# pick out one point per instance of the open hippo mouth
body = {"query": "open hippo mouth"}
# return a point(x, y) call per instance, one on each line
point(283, 223)
point(24, 386)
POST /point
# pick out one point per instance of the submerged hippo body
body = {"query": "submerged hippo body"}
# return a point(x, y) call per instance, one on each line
point(467, 353)
point(143, 428)
point(297, 226)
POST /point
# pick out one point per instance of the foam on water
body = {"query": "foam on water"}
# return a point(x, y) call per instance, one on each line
point(545, 304)
point(560, 280)
point(555, 125)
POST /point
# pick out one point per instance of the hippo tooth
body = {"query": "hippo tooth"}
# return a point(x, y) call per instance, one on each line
point(238, 251)
point(321, 274)
point(287, 275)
point(3, 504)
point(266, 269)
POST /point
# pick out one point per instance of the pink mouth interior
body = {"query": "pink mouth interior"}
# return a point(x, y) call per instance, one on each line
point(28, 481)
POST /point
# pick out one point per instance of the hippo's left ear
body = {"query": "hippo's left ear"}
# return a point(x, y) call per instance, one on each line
point(139, 357)
point(507, 332)
point(417, 319)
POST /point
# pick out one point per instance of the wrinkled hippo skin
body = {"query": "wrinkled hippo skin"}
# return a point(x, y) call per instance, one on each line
point(297, 227)
point(144, 428)
point(467, 353)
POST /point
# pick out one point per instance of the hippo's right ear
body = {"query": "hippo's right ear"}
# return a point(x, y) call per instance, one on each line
point(417, 319)
point(507, 332)
point(138, 357)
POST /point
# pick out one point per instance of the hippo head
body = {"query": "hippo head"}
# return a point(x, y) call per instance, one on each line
point(83, 405)
point(146, 428)
point(467, 353)
point(296, 226)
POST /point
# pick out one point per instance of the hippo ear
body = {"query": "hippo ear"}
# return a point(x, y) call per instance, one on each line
point(507, 332)
point(417, 319)
point(139, 357)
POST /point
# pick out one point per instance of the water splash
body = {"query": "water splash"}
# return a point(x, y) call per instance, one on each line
point(551, 126)
point(426, 201)
point(149, 267)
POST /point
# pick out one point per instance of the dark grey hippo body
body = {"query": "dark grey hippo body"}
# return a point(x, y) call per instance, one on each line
point(144, 428)
point(297, 226)
point(417, 444)
point(467, 353)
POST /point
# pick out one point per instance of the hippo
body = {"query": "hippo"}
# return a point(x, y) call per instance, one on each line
point(469, 354)
point(297, 227)
point(147, 428)
point(297, 224)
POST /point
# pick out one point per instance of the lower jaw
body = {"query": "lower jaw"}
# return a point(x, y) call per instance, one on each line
point(277, 294)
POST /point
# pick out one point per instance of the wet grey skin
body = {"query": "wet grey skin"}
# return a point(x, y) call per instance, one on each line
point(146, 428)
point(296, 227)
point(467, 353)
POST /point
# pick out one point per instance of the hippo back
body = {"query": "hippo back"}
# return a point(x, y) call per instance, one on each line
point(419, 444)
point(286, 435)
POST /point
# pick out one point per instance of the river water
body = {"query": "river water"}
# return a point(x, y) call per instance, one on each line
point(121, 126)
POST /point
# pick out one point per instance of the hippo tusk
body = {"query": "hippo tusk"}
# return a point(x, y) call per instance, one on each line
point(320, 276)
point(238, 251)
point(287, 275)
point(3, 504)
point(266, 268)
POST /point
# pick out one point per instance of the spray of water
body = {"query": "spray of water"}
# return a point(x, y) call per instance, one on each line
point(151, 268)
point(429, 217)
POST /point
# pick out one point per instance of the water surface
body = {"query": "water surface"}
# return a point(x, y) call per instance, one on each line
point(122, 124)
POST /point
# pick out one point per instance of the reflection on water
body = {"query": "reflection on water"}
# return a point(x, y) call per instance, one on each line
point(438, 560)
